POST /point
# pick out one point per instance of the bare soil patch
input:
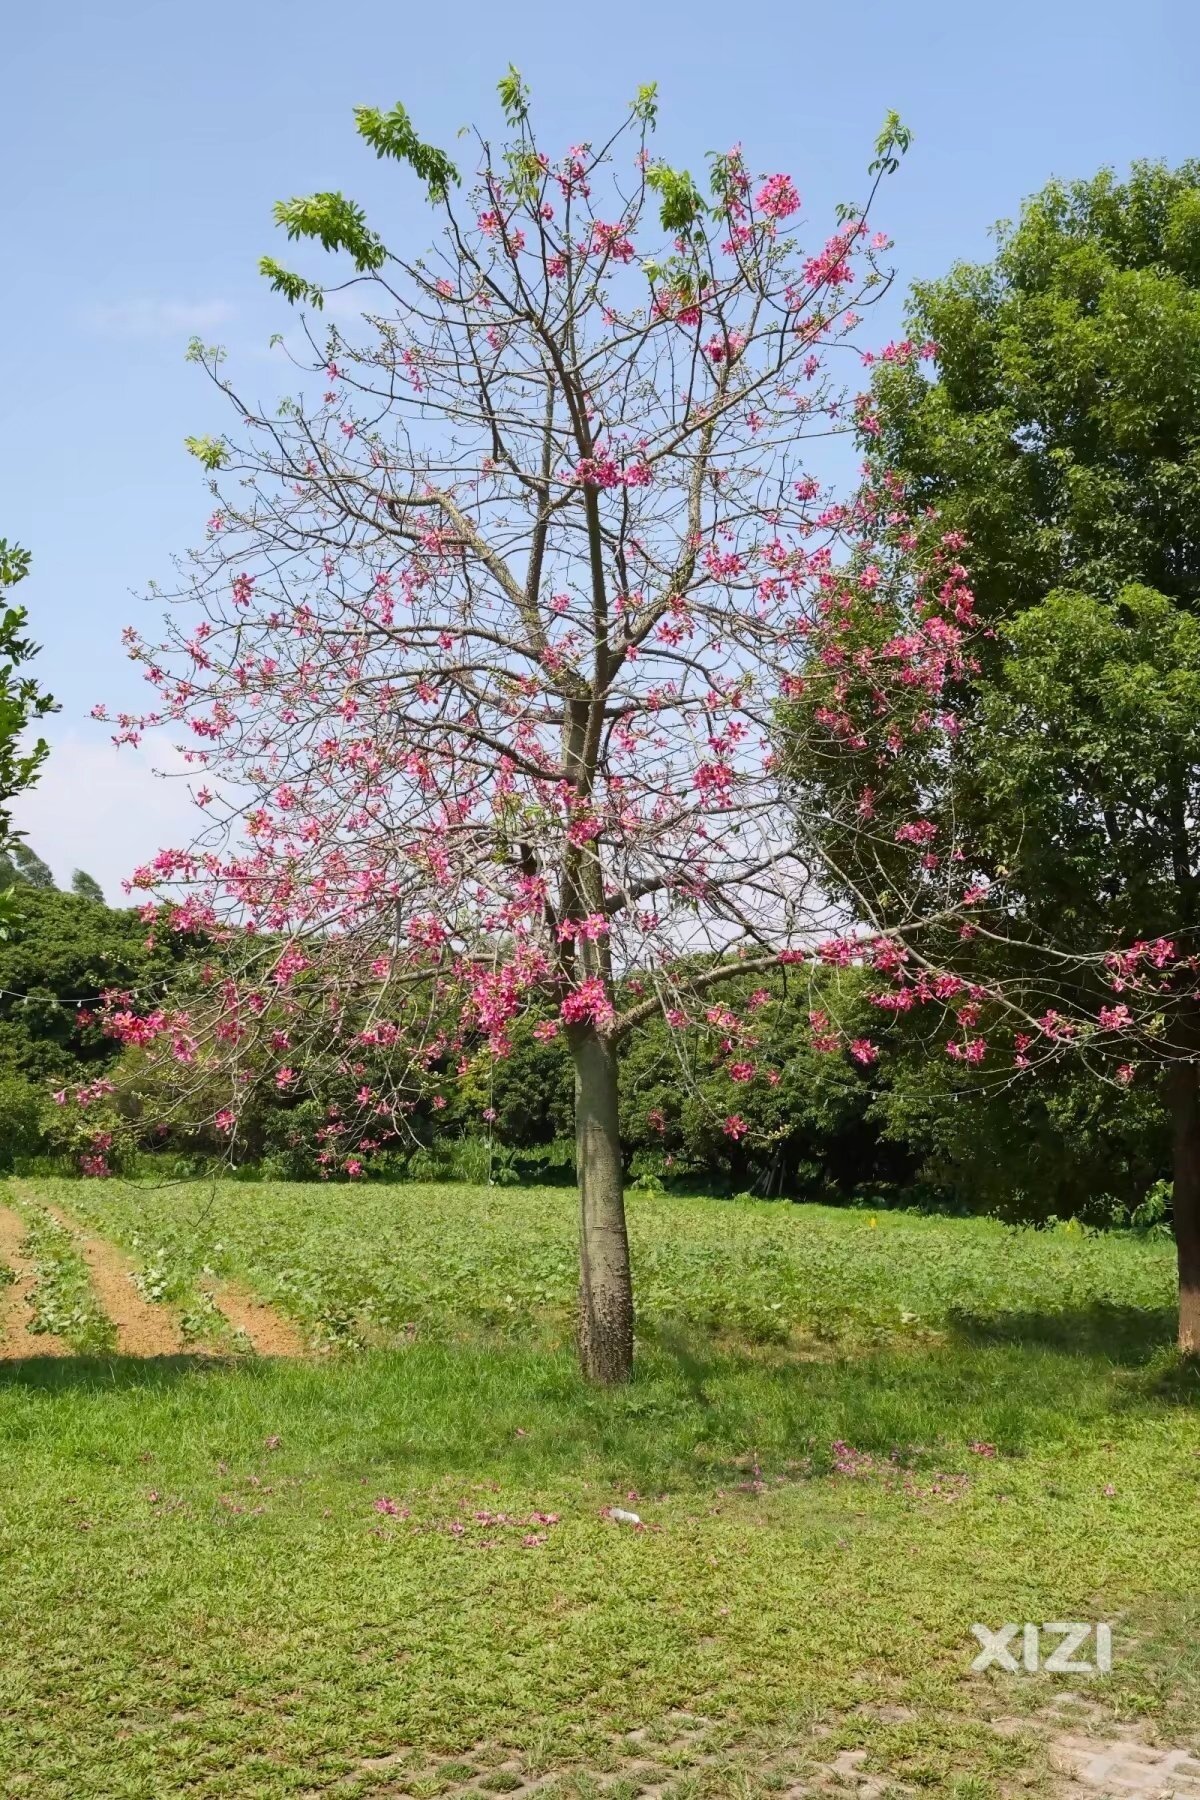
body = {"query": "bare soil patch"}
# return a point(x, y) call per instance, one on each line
point(268, 1332)
point(143, 1328)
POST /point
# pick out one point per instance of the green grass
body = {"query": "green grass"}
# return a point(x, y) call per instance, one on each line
point(63, 1302)
point(199, 1596)
point(374, 1262)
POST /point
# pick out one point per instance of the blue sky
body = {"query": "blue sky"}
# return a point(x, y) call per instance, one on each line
point(143, 145)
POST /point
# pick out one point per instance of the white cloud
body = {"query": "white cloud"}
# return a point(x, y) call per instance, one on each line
point(105, 810)
point(146, 318)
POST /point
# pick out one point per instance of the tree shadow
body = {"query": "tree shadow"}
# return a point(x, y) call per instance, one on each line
point(90, 1373)
point(699, 1413)
point(1127, 1335)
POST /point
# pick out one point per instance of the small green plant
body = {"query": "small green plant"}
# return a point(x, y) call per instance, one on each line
point(63, 1302)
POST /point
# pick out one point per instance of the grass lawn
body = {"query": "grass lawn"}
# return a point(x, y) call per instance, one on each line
point(848, 1439)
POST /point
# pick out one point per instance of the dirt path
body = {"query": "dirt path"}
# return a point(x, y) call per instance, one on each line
point(148, 1328)
point(17, 1339)
point(267, 1331)
point(143, 1327)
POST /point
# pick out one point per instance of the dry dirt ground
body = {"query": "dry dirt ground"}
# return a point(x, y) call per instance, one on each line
point(143, 1327)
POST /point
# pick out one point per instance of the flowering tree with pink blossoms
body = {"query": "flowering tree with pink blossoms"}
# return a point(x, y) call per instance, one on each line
point(481, 663)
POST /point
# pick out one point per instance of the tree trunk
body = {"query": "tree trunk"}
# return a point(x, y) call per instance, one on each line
point(605, 1287)
point(1183, 1092)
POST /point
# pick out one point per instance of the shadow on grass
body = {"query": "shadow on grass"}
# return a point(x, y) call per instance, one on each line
point(99, 1374)
point(1127, 1335)
point(696, 1414)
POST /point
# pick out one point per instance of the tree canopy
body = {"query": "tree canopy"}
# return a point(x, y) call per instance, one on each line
point(22, 702)
point(1057, 443)
point(482, 653)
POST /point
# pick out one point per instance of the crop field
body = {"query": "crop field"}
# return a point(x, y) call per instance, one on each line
point(303, 1495)
point(370, 1264)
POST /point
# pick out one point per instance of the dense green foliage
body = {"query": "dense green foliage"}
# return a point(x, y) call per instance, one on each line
point(63, 953)
point(22, 702)
point(1061, 435)
point(69, 950)
point(1064, 1146)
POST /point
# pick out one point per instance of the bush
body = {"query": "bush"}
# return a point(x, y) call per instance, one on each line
point(21, 1106)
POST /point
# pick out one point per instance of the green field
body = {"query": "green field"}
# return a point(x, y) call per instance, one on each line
point(849, 1437)
point(368, 1263)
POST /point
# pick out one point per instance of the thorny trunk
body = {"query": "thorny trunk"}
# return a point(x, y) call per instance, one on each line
point(605, 1288)
point(1183, 1093)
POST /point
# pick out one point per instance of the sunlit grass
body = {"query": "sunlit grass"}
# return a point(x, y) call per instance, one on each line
point(200, 1595)
point(376, 1261)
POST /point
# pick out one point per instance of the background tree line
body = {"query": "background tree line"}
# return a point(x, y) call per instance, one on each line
point(906, 1130)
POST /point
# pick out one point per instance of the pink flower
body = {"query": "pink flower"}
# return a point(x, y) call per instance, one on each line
point(735, 1127)
point(719, 347)
point(284, 1077)
point(611, 240)
point(863, 1051)
point(917, 831)
point(777, 197)
point(589, 1001)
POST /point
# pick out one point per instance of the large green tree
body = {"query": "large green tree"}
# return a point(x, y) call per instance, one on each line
point(22, 702)
point(1059, 432)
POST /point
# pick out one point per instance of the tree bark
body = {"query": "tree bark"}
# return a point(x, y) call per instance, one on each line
point(605, 1325)
point(1183, 1093)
